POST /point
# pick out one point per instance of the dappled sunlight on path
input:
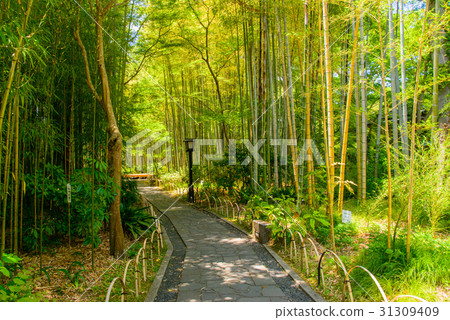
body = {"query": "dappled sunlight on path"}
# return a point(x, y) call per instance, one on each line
point(220, 263)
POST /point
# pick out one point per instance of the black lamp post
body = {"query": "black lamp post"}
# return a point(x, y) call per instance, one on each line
point(189, 148)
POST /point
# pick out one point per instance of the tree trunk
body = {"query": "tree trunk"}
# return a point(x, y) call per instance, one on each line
point(393, 65)
point(386, 120)
point(347, 117)
point(404, 106)
point(363, 116)
point(330, 115)
point(413, 140)
point(435, 101)
point(115, 138)
point(6, 182)
point(309, 154)
point(289, 112)
point(17, 180)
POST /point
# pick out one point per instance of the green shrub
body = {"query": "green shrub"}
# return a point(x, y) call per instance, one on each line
point(429, 263)
point(135, 220)
point(55, 223)
point(431, 188)
point(343, 232)
point(15, 283)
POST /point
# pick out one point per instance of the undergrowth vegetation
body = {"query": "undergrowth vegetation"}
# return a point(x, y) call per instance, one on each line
point(364, 241)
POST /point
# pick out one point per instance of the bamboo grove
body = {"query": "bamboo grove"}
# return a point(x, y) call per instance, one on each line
point(353, 80)
point(354, 83)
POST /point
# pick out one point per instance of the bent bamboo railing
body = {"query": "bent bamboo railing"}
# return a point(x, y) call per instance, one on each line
point(155, 240)
point(124, 292)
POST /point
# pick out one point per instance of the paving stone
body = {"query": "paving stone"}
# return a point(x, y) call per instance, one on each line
point(230, 258)
point(279, 299)
point(191, 286)
point(240, 287)
point(191, 279)
point(254, 299)
point(261, 280)
point(224, 290)
point(255, 291)
point(208, 277)
point(272, 291)
point(226, 299)
point(210, 296)
point(214, 284)
point(189, 296)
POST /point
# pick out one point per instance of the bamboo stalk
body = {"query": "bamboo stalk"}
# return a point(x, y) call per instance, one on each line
point(330, 119)
point(394, 89)
point(413, 138)
point(435, 100)
point(92, 190)
point(404, 108)
point(386, 120)
point(289, 112)
point(347, 116)
point(6, 182)
point(17, 180)
point(363, 116)
point(309, 156)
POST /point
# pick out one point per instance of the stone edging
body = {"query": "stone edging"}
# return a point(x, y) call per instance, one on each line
point(153, 291)
point(294, 276)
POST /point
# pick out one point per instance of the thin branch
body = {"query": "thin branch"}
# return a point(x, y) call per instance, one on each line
point(91, 7)
point(99, 8)
point(145, 56)
point(196, 15)
point(190, 42)
point(139, 28)
point(227, 59)
point(111, 4)
point(77, 37)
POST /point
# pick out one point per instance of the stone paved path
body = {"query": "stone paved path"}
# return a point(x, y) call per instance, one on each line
point(220, 263)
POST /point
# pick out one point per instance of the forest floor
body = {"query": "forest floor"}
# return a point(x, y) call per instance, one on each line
point(69, 274)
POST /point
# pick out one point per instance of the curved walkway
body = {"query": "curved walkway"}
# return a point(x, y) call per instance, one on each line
point(214, 261)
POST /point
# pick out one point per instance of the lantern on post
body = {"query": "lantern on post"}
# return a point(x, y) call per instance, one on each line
point(190, 148)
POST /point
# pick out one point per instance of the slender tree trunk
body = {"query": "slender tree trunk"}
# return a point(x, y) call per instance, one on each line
point(6, 181)
point(289, 69)
point(274, 110)
point(347, 116)
point(386, 120)
point(17, 180)
point(363, 116)
point(309, 154)
point(380, 111)
point(22, 179)
point(289, 114)
point(394, 91)
point(404, 107)
point(324, 121)
point(358, 119)
point(330, 115)
point(435, 101)
point(413, 139)
point(377, 153)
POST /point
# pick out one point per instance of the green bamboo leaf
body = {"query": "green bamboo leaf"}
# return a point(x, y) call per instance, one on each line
point(5, 272)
